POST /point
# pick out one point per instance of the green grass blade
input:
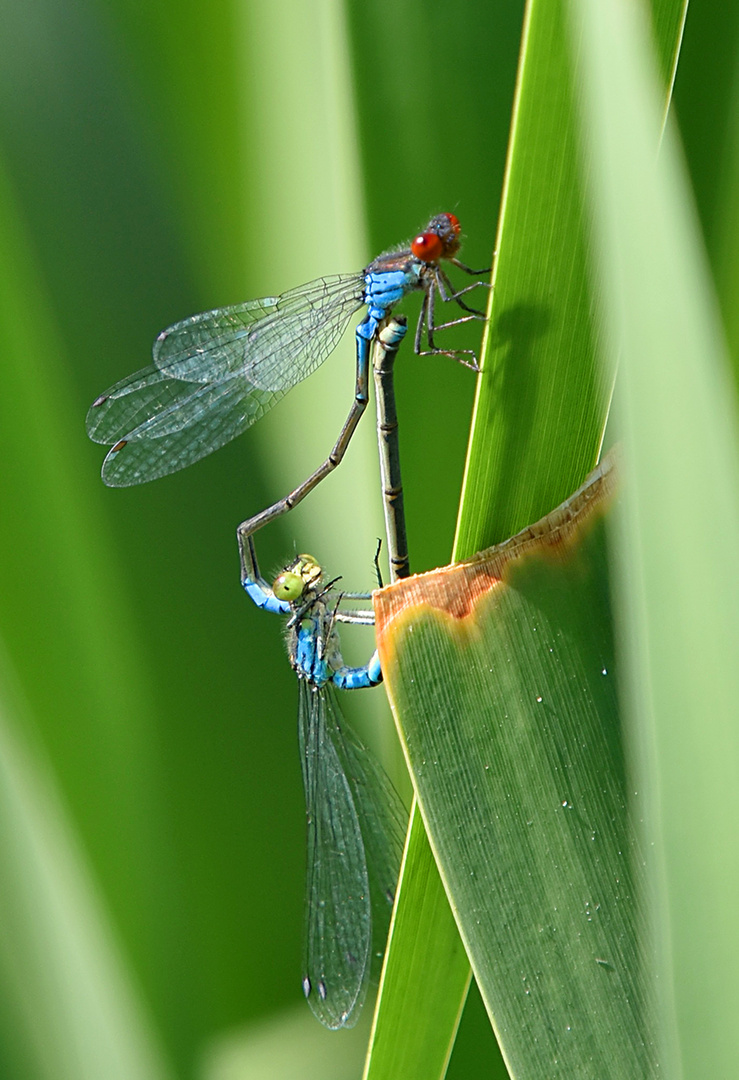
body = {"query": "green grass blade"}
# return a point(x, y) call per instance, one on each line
point(541, 402)
point(410, 1039)
point(677, 550)
point(539, 409)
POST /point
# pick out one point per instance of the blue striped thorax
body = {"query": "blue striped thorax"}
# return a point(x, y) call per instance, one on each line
point(312, 638)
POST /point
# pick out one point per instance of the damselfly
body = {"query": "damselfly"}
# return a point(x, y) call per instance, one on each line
point(355, 819)
point(215, 374)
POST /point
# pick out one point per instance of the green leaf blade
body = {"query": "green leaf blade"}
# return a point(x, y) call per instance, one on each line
point(503, 672)
point(539, 411)
point(407, 1040)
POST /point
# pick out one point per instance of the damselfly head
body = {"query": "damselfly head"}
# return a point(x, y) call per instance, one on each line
point(295, 580)
point(439, 240)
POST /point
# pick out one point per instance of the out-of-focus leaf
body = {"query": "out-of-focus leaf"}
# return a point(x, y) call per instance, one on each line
point(71, 1007)
point(678, 584)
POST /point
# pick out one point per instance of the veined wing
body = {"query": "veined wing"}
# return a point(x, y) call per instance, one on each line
point(274, 342)
point(384, 821)
point(338, 926)
point(159, 425)
point(133, 401)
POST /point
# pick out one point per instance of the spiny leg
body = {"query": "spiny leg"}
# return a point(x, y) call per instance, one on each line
point(427, 315)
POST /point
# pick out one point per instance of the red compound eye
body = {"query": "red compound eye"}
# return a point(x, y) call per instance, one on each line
point(428, 247)
point(454, 222)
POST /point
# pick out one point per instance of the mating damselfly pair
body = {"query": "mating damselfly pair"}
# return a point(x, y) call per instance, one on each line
point(212, 376)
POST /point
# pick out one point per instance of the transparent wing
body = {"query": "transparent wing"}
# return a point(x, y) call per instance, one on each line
point(214, 375)
point(274, 342)
point(338, 919)
point(159, 425)
point(133, 401)
point(384, 821)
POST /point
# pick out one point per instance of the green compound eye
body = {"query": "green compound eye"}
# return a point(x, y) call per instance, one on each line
point(288, 586)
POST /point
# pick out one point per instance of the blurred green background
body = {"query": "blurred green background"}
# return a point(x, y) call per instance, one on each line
point(157, 161)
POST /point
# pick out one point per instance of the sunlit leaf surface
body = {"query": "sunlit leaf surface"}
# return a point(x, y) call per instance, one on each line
point(501, 672)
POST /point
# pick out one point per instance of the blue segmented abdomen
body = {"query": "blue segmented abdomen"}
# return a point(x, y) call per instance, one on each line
point(348, 678)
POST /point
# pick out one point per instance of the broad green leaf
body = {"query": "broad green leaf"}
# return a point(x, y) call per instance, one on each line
point(502, 672)
point(678, 611)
